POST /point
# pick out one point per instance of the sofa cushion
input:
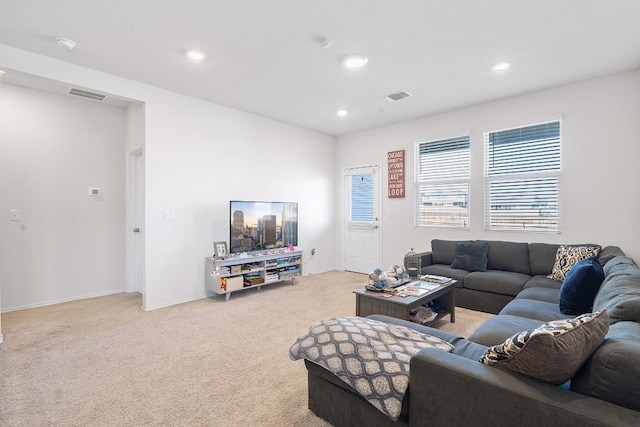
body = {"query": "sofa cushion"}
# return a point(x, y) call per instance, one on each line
point(539, 281)
point(471, 256)
point(498, 328)
point(580, 286)
point(508, 256)
point(621, 265)
point(532, 309)
point(444, 251)
point(612, 372)
point(542, 256)
point(552, 352)
point(608, 253)
point(496, 281)
point(620, 296)
point(568, 256)
point(549, 295)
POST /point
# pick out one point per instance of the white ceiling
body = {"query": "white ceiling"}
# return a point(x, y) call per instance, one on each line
point(263, 56)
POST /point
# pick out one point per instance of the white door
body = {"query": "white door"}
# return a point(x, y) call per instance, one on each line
point(361, 219)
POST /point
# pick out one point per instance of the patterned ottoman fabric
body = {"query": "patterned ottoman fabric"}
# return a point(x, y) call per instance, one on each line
point(371, 356)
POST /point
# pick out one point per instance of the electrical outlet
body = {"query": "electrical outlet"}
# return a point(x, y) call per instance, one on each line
point(313, 251)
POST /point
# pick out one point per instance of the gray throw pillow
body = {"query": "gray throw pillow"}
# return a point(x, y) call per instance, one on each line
point(553, 352)
point(471, 256)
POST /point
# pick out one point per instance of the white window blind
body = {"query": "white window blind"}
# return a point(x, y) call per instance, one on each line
point(362, 198)
point(522, 178)
point(442, 172)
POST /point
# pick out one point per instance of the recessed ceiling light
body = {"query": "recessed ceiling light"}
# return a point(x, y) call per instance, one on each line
point(342, 113)
point(500, 66)
point(66, 43)
point(195, 55)
point(354, 61)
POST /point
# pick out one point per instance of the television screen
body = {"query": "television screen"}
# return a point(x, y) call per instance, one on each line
point(257, 226)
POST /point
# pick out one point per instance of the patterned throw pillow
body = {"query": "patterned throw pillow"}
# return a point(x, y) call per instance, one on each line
point(553, 352)
point(568, 256)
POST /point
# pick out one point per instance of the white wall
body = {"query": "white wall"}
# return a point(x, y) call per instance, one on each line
point(202, 155)
point(198, 156)
point(601, 173)
point(67, 245)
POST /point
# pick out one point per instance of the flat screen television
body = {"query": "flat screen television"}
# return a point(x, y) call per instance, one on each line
point(257, 226)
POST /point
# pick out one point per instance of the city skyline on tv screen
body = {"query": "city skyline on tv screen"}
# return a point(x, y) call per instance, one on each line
point(258, 225)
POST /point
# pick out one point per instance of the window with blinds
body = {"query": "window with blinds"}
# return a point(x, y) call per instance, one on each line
point(522, 178)
point(442, 173)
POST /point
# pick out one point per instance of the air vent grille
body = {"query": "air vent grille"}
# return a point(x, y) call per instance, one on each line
point(396, 96)
point(86, 94)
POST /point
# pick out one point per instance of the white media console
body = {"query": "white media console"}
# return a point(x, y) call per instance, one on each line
point(232, 274)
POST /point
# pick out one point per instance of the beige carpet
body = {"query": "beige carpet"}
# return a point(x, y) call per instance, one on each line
point(105, 362)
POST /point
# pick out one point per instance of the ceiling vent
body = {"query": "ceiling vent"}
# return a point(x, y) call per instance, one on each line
point(396, 96)
point(86, 94)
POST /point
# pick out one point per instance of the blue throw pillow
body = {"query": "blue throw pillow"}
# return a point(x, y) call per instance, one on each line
point(580, 286)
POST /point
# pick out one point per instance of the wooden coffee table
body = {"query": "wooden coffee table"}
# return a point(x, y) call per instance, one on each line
point(371, 302)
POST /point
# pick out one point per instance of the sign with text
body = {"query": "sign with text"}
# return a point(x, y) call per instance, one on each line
point(395, 162)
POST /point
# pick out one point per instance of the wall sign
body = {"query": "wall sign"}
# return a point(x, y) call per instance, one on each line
point(395, 162)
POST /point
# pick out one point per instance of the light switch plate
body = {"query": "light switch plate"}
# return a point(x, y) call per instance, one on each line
point(169, 214)
point(15, 215)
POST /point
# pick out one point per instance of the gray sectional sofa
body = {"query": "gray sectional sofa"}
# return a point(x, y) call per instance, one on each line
point(511, 267)
point(456, 389)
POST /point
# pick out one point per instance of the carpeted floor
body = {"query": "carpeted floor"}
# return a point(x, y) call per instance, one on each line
point(105, 362)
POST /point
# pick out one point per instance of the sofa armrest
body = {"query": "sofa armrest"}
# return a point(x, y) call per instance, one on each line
point(425, 258)
point(447, 389)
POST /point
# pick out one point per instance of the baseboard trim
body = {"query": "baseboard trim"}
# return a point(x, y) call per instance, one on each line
point(156, 307)
point(60, 301)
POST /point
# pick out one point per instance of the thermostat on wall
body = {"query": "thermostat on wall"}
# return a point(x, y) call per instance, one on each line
point(95, 191)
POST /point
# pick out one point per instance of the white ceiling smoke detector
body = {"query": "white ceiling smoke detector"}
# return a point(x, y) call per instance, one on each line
point(342, 113)
point(325, 44)
point(66, 43)
point(354, 61)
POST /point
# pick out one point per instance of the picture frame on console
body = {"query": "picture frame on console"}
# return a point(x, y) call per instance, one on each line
point(220, 249)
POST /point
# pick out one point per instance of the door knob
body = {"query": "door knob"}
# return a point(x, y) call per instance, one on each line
point(136, 230)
